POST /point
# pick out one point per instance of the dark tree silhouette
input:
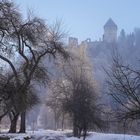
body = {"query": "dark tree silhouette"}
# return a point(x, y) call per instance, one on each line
point(124, 86)
point(76, 93)
point(29, 41)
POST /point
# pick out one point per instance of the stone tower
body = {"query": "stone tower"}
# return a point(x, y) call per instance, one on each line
point(110, 31)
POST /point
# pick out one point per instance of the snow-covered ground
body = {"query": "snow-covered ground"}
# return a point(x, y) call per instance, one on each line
point(59, 135)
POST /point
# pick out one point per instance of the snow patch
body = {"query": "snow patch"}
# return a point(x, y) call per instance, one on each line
point(62, 135)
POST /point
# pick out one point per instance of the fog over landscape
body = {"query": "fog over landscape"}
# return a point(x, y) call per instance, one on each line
point(69, 70)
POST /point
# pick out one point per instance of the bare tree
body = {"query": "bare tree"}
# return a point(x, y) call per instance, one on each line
point(30, 41)
point(124, 86)
point(77, 93)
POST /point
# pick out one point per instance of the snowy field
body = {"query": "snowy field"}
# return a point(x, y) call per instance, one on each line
point(59, 135)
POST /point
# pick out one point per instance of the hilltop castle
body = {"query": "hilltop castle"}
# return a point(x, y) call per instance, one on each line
point(109, 36)
point(110, 31)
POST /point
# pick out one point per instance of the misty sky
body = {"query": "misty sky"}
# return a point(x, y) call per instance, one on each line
point(85, 18)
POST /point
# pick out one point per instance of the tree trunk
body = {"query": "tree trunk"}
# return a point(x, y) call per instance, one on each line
point(75, 129)
point(63, 118)
point(23, 122)
point(79, 132)
point(84, 136)
point(55, 121)
point(84, 133)
point(13, 124)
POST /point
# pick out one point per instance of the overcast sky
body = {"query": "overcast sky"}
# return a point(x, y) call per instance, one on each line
point(86, 18)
